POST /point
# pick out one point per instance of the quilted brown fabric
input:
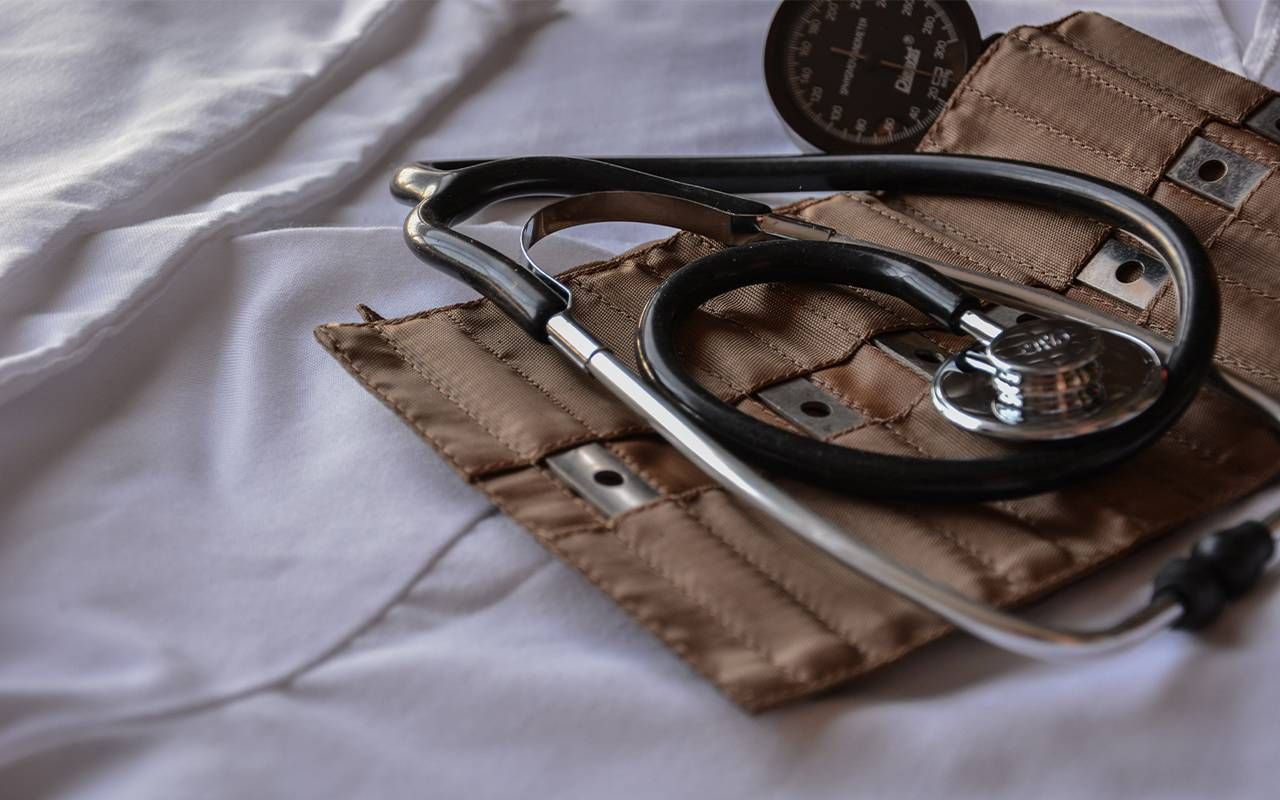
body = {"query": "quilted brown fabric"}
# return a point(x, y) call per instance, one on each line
point(761, 615)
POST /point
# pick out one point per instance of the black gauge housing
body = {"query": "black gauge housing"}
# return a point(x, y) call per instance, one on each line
point(863, 76)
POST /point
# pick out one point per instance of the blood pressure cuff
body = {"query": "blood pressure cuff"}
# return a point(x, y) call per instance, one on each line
point(761, 615)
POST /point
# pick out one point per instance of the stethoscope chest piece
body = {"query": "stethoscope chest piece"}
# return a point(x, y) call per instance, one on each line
point(1048, 379)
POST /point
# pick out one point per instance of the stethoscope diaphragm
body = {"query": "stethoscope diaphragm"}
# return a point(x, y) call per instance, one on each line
point(1048, 379)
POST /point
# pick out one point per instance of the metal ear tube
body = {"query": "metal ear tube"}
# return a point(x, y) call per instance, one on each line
point(1054, 375)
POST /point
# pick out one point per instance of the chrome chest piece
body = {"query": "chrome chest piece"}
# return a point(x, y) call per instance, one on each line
point(1048, 379)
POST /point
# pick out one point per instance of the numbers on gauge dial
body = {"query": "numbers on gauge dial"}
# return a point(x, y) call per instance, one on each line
point(873, 72)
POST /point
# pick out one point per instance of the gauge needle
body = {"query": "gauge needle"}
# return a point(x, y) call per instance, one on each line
point(883, 63)
point(904, 66)
point(848, 53)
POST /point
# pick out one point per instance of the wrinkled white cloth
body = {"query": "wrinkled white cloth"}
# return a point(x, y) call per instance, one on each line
point(197, 599)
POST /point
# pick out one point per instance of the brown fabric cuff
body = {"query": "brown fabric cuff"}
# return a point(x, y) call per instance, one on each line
point(759, 614)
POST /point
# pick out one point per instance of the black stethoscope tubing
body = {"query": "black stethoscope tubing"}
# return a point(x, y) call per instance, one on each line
point(1044, 467)
point(466, 186)
point(1188, 592)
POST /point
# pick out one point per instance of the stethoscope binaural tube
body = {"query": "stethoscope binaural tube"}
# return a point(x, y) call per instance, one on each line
point(528, 296)
point(1189, 592)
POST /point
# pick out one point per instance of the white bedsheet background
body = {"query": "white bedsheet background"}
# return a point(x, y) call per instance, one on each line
point(196, 599)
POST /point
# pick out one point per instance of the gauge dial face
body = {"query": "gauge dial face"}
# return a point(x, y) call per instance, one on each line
point(863, 75)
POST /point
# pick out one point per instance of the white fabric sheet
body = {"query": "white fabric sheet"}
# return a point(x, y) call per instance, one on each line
point(197, 601)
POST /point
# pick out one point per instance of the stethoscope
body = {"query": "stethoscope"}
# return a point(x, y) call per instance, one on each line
point(1087, 390)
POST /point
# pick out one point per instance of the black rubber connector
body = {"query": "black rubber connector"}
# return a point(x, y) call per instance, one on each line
point(1222, 567)
point(1195, 586)
point(1237, 555)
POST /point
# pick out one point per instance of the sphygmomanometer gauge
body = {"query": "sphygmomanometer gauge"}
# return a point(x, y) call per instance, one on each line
point(867, 75)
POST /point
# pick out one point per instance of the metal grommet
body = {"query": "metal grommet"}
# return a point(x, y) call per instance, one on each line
point(810, 408)
point(912, 351)
point(1266, 120)
point(1007, 316)
point(1216, 172)
point(1126, 272)
point(601, 478)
